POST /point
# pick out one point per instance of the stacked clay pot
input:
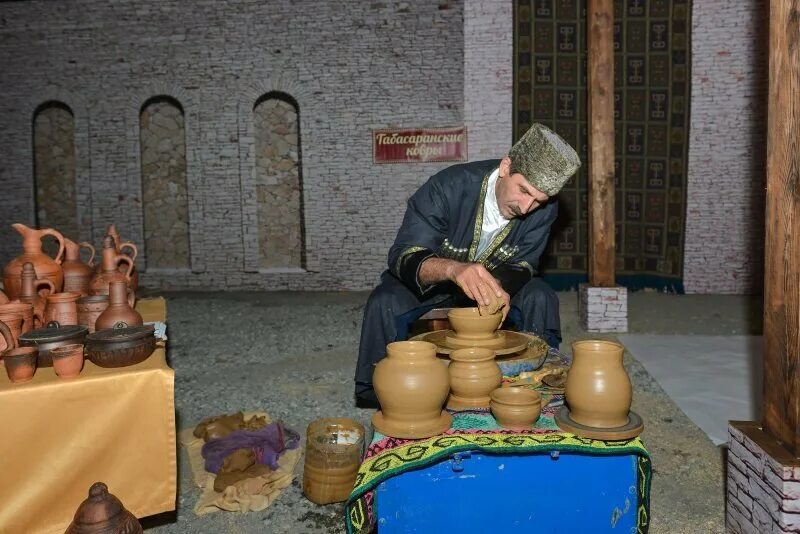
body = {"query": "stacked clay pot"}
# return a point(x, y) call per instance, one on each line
point(412, 386)
point(473, 376)
point(46, 268)
point(598, 389)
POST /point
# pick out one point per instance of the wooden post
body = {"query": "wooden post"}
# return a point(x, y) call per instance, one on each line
point(782, 247)
point(601, 142)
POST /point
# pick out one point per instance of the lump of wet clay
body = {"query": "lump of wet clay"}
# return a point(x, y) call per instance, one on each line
point(239, 465)
point(222, 425)
point(493, 307)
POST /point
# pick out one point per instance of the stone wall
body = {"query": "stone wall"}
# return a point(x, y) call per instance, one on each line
point(54, 153)
point(278, 191)
point(164, 195)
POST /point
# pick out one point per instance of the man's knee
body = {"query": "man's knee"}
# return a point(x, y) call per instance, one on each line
point(537, 290)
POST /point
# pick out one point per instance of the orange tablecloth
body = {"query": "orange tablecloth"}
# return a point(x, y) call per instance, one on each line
point(111, 425)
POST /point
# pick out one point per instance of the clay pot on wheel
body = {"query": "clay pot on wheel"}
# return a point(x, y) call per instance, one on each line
point(103, 513)
point(598, 390)
point(473, 376)
point(411, 385)
point(45, 267)
point(468, 323)
point(77, 275)
point(118, 310)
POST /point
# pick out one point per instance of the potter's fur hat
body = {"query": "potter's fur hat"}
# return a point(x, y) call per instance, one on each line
point(544, 158)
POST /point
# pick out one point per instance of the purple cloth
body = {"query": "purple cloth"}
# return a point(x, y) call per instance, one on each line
point(268, 443)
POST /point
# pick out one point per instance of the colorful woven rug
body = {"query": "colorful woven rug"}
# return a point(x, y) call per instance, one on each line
point(477, 430)
point(651, 110)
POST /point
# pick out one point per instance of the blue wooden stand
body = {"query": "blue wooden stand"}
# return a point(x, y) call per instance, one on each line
point(476, 492)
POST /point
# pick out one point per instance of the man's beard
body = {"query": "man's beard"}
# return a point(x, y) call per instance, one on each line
point(515, 211)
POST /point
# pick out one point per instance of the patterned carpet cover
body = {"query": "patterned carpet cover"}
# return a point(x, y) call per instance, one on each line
point(477, 430)
point(651, 111)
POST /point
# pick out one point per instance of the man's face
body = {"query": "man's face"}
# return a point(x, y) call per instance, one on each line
point(515, 195)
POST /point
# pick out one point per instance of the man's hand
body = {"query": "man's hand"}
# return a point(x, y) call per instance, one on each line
point(479, 285)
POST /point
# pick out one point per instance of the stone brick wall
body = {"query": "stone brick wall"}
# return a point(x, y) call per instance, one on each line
point(763, 495)
point(725, 205)
point(350, 67)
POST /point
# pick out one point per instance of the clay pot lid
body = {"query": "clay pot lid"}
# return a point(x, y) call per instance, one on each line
point(101, 507)
point(122, 332)
point(53, 332)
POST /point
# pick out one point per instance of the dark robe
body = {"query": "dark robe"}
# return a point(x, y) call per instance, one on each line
point(443, 219)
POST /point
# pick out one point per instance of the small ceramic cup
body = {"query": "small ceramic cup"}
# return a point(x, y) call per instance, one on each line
point(20, 363)
point(516, 407)
point(68, 360)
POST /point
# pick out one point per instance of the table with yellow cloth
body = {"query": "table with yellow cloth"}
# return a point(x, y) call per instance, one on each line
point(60, 435)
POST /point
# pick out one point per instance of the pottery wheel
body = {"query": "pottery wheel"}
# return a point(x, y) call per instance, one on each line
point(512, 342)
point(629, 431)
point(387, 427)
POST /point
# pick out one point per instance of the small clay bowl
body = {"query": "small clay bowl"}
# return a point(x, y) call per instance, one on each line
point(468, 323)
point(20, 363)
point(68, 360)
point(516, 407)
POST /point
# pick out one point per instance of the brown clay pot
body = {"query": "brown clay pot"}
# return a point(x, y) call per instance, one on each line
point(468, 323)
point(411, 385)
point(62, 307)
point(51, 336)
point(12, 320)
point(24, 309)
point(109, 270)
point(516, 407)
point(118, 310)
point(120, 247)
point(90, 308)
point(3, 297)
point(30, 293)
point(333, 456)
point(103, 513)
point(473, 376)
point(598, 390)
point(68, 360)
point(77, 275)
point(20, 363)
point(44, 266)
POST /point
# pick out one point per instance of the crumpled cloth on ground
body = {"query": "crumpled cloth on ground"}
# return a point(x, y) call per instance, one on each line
point(267, 443)
point(250, 495)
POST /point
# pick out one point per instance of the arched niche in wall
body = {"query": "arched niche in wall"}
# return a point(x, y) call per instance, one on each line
point(279, 183)
point(164, 192)
point(54, 170)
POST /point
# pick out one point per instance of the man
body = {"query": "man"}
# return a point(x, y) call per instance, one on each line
point(471, 232)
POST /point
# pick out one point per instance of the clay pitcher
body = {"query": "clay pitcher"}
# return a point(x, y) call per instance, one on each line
point(121, 246)
point(13, 321)
point(598, 389)
point(46, 267)
point(411, 385)
point(109, 269)
point(118, 310)
point(62, 307)
point(30, 294)
point(473, 376)
point(103, 513)
point(77, 275)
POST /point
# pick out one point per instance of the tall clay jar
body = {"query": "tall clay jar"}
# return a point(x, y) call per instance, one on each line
point(90, 308)
point(333, 456)
point(118, 310)
point(598, 390)
point(62, 307)
point(77, 274)
point(412, 386)
point(473, 376)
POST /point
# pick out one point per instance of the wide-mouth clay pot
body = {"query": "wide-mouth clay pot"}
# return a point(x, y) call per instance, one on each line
point(598, 390)
point(20, 363)
point(68, 360)
point(473, 376)
point(468, 323)
point(516, 407)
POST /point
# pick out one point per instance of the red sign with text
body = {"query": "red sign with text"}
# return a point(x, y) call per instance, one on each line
point(419, 146)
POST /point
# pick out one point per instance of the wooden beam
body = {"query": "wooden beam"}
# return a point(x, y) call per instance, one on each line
point(782, 247)
point(601, 142)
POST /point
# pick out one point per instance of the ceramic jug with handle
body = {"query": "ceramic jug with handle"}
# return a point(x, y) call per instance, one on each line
point(121, 246)
point(77, 275)
point(46, 268)
point(30, 294)
point(109, 269)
